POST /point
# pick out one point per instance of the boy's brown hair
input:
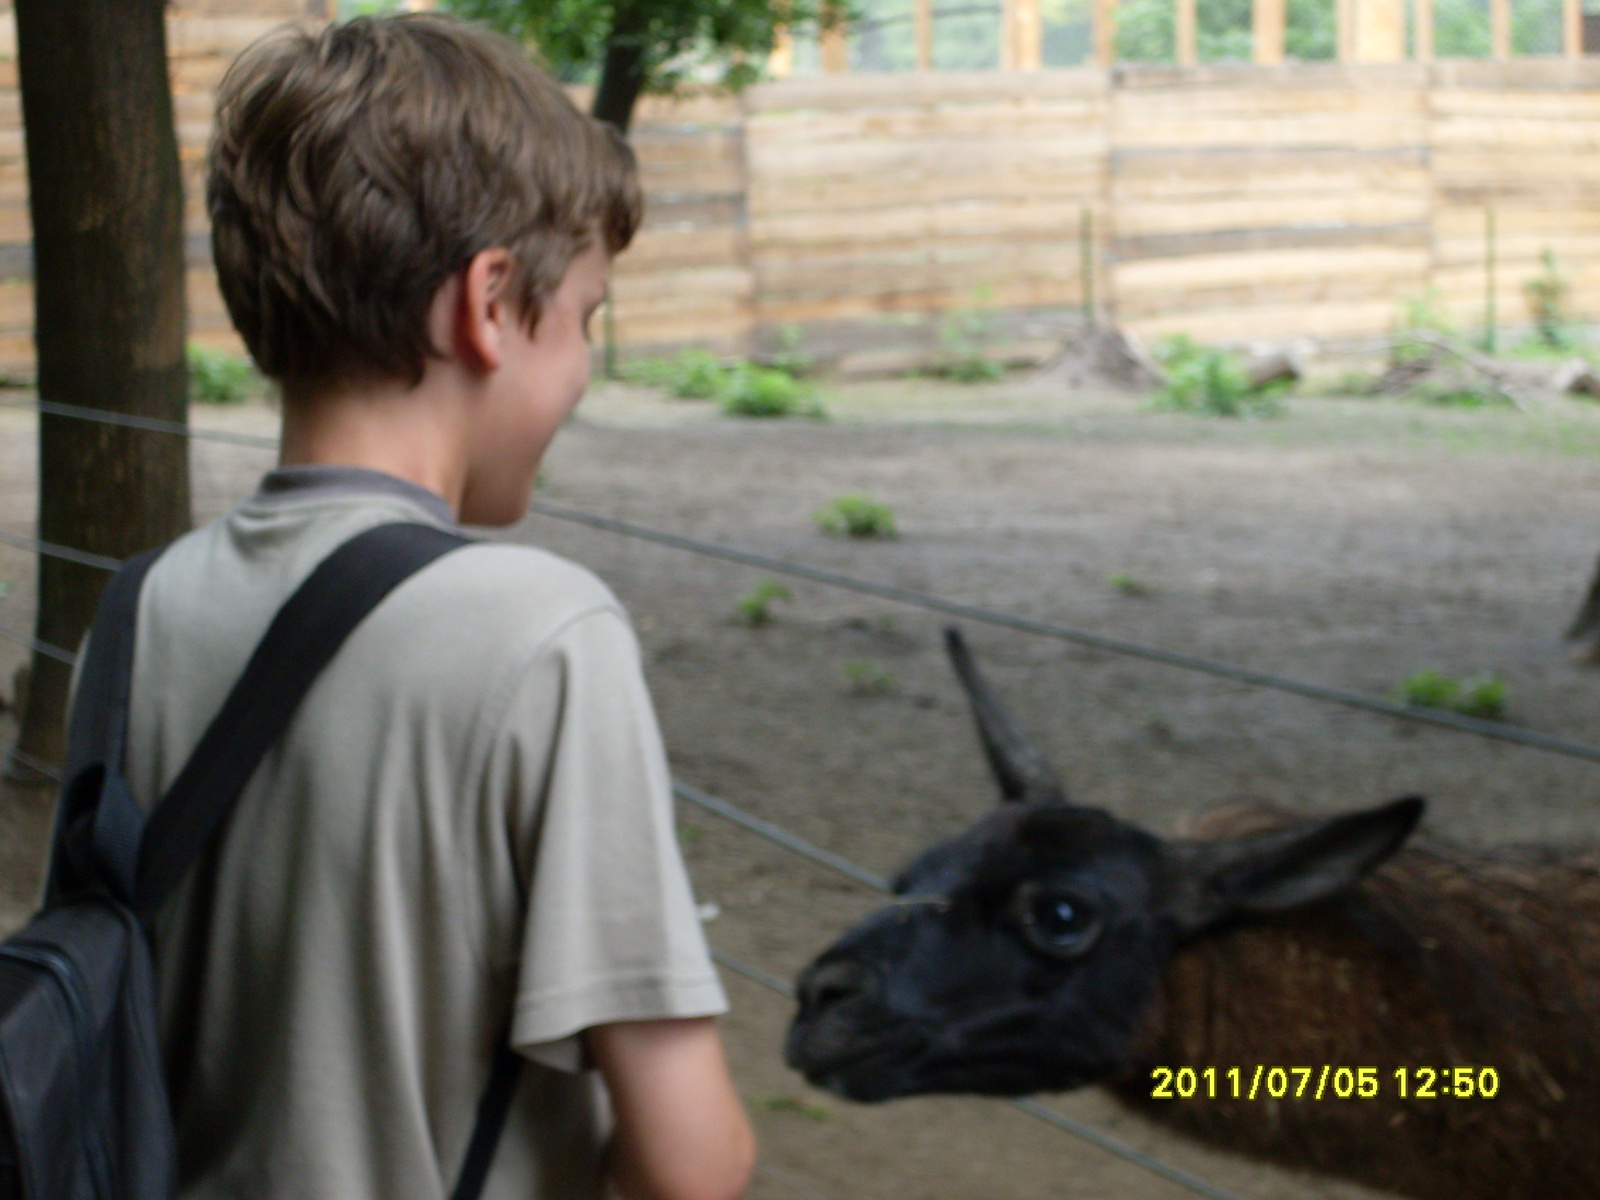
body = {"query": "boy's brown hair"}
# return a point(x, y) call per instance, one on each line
point(354, 170)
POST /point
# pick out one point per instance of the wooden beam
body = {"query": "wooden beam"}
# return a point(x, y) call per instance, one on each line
point(1105, 32)
point(1186, 41)
point(1572, 28)
point(780, 63)
point(833, 44)
point(1027, 35)
point(1344, 28)
point(1422, 34)
point(922, 12)
point(1008, 34)
point(1268, 19)
point(1378, 30)
point(1500, 29)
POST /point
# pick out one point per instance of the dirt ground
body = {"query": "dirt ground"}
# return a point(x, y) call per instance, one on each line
point(1350, 541)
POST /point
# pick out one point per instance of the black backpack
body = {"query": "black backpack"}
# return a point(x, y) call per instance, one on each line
point(84, 1113)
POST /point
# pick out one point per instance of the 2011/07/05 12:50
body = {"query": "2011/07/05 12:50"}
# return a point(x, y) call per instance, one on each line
point(1343, 1083)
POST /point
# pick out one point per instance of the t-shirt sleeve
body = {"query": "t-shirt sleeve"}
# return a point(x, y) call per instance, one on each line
point(610, 931)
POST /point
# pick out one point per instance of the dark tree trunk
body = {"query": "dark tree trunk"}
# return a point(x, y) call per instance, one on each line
point(106, 200)
point(622, 74)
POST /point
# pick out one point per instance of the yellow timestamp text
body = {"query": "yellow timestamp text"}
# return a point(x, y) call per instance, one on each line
point(1327, 1082)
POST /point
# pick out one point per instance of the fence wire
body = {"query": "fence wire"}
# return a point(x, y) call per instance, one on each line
point(1494, 730)
point(774, 833)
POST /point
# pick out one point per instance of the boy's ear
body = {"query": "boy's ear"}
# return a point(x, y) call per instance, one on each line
point(481, 309)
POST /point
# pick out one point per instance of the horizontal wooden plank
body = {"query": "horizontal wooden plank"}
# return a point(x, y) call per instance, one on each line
point(1000, 220)
point(1331, 207)
point(1327, 130)
point(976, 120)
point(674, 329)
point(655, 250)
point(686, 287)
point(931, 156)
point(1223, 269)
point(1005, 293)
point(1308, 238)
point(1268, 322)
point(1128, 163)
point(1082, 182)
point(1375, 287)
point(854, 92)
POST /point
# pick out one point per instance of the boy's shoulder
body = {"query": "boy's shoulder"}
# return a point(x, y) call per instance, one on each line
point(236, 570)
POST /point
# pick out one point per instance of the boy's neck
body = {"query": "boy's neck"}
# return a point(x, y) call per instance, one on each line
point(416, 434)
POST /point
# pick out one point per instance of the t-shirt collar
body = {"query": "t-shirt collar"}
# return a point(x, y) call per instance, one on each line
point(303, 479)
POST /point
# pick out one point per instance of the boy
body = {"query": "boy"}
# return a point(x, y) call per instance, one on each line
point(467, 829)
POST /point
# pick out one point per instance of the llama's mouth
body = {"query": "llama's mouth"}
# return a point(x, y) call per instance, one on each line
point(855, 1050)
point(840, 1055)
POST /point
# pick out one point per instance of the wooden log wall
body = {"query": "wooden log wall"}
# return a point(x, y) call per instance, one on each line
point(1524, 138)
point(1251, 204)
point(910, 193)
point(1233, 203)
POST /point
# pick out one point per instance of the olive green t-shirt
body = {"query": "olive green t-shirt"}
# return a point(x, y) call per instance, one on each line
point(467, 829)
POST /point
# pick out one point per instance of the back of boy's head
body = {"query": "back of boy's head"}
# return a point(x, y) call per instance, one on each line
point(354, 170)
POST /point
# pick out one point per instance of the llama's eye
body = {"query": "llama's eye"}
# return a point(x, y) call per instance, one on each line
point(1059, 923)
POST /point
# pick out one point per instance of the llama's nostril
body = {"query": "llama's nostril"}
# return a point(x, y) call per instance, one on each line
point(830, 983)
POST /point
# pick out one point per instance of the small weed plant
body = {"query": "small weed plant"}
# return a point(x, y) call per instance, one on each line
point(1482, 695)
point(692, 374)
point(869, 679)
point(1204, 379)
point(966, 334)
point(1425, 314)
point(856, 516)
point(755, 606)
point(1448, 396)
point(789, 357)
point(795, 1106)
point(741, 388)
point(753, 391)
point(217, 377)
point(1546, 294)
point(1126, 584)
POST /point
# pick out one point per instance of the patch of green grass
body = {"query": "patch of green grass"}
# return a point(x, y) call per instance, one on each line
point(1204, 379)
point(868, 678)
point(1482, 695)
point(691, 374)
point(1444, 396)
point(966, 334)
point(755, 606)
point(789, 357)
point(796, 1106)
point(753, 391)
point(856, 516)
point(217, 377)
point(1125, 583)
point(1546, 294)
point(1426, 313)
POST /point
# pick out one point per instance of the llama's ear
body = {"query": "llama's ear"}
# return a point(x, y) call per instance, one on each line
point(1023, 772)
point(1208, 882)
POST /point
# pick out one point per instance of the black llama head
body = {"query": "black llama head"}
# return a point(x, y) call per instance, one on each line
point(1022, 955)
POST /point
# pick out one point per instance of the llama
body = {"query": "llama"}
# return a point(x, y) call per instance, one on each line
point(1052, 946)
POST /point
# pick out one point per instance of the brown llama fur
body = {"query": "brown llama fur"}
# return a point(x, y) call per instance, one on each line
point(1439, 958)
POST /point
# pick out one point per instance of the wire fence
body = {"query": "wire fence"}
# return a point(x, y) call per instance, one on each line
point(776, 834)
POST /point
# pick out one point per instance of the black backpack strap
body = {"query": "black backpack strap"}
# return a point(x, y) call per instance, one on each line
point(305, 634)
point(97, 826)
point(303, 637)
point(493, 1108)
